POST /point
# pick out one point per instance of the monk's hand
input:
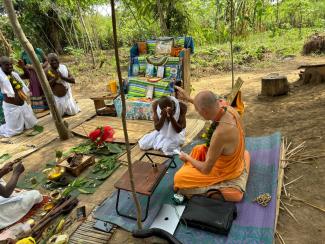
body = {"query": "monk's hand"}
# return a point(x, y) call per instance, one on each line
point(182, 94)
point(19, 169)
point(184, 156)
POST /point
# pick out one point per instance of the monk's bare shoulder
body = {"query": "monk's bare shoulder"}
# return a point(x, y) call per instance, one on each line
point(226, 131)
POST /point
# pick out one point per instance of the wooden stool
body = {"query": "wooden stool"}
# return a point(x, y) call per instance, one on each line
point(146, 178)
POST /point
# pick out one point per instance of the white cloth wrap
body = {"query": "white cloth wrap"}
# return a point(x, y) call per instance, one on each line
point(17, 206)
point(17, 118)
point(66, 104)
point(167, 139)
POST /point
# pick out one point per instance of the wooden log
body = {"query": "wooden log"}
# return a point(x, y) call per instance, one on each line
point(187, 71)
point(313, 74)
point(274, 85)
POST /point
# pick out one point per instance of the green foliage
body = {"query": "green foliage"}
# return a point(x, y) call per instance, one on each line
point(76, 52)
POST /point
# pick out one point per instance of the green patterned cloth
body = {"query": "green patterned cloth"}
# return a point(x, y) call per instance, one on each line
point(151, 46)
point(138, 87)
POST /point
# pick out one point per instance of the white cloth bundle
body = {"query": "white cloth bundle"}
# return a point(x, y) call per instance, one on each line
point(167, 139)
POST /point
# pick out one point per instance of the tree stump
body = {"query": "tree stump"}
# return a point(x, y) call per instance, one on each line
point(313, 74)
point(274, 85)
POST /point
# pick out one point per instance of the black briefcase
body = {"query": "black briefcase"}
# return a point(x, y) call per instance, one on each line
point(210, 214)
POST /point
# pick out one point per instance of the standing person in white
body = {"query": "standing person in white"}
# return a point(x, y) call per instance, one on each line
point(60, 78)
point(169, 117)
point(18, 114)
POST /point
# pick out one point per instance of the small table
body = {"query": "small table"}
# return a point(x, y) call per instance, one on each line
point(105, 105)
point(146, 179)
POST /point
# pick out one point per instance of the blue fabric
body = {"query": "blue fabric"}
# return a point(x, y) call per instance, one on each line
point(134, 51)
point(254, 224)
point(189, 43)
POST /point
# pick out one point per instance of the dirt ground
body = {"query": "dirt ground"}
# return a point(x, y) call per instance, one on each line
point(299, 117)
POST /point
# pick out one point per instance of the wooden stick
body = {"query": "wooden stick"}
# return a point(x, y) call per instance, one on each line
point(280, 181)
point(293, 181)
point(280, 237)
point(288, 204)
point(289, 212)
point(296, 152)
point(308, 203)
point(297, 147)
point(284, 189)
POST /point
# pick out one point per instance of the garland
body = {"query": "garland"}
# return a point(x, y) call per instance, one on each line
point(209, 132)
point(18, 86)
point(51, 74)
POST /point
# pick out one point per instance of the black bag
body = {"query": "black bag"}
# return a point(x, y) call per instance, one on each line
point(210, 214)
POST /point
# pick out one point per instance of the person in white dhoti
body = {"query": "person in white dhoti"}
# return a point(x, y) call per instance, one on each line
point(14, 206)
point(18, 114)
point(60, 78)
point(169, 117)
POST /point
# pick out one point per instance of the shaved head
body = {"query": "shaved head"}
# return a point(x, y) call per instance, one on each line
point(4, 59)
point(206, 104)
point(205, 100)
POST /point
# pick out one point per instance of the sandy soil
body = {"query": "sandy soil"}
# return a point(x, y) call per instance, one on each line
point(299, 116)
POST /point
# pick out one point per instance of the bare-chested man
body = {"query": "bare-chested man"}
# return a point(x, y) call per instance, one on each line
point(60, 79)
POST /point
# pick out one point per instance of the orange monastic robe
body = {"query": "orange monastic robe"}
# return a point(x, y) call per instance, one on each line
point(227, 167)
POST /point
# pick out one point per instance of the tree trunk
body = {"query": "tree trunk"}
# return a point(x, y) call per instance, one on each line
point(231, 40)
point(54, 31)
point(6, 44)
point(163, 26)
point(75, 33)
point(127, 144)
point(60, 126)
point(87, 35)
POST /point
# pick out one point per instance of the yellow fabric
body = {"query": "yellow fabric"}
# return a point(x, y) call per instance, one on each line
point(227, 167)
point(238, 104)
point(27, 240)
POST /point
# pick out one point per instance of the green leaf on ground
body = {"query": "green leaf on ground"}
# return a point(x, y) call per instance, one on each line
point(4, 157)
point(37, 129)
point(113, 148)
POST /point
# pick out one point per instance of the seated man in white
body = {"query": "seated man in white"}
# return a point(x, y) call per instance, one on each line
point(18, 114)
point(169, 117)
point(60, 78)
point(14, 206)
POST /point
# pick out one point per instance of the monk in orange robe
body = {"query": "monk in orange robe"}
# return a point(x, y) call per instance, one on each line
point(223, 167)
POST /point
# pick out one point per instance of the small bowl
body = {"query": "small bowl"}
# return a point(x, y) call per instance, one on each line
point(56, 173)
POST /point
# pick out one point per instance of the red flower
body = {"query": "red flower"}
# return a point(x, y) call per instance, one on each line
point(102, 134)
